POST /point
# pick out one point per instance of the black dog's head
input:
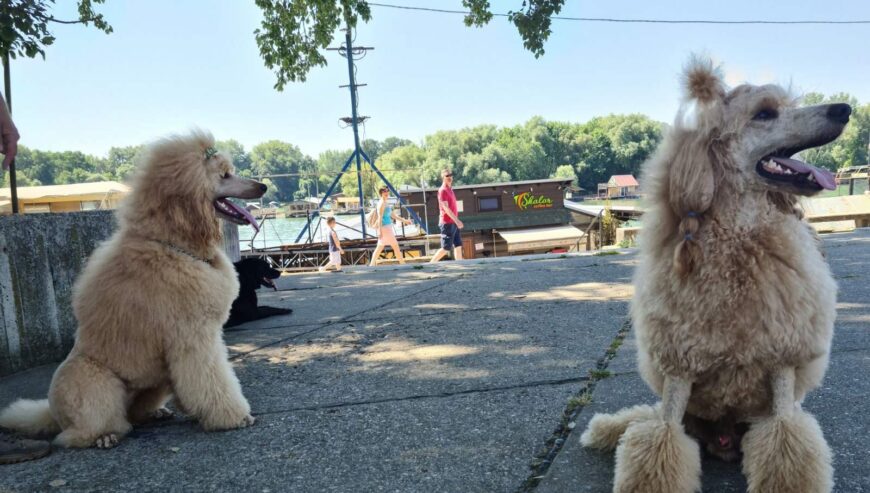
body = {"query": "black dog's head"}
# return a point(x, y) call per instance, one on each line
point(255, 272)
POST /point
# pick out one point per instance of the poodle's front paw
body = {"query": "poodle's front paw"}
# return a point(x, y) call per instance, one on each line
point(657, 457)
point(787, 454)
point(107, 441)
point(162, 414)
point(229, 419)
point(604, 430)
point(248, 421)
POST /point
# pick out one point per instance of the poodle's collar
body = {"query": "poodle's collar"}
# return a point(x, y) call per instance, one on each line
point(184, 252)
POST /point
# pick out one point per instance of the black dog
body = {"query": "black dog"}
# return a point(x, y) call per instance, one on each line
point(253, 273)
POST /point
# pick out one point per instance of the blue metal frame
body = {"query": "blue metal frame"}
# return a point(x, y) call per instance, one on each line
point(356, 154)
point(356, 147)
point(325, 197)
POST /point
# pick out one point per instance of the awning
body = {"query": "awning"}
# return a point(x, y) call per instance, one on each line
point(541, 238)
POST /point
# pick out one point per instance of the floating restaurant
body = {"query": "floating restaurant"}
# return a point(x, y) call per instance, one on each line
point(509, 218)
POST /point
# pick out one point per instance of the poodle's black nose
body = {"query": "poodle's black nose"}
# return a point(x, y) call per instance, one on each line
point(839, 112)
point(263, 187)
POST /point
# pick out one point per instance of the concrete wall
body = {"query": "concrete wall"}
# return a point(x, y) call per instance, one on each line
point(40, 257)
point(231, 241)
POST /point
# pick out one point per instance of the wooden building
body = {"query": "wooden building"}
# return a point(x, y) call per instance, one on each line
point(619, 186)
point(299, 208)
point(342, 204)
point(505, 218)
point(65, 198)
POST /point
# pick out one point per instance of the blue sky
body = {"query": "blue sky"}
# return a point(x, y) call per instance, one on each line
point(171, 65)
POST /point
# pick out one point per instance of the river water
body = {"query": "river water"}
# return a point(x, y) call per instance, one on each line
point(284, 230)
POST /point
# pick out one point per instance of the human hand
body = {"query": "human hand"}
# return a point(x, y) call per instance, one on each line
point(459, 224)
point(8, 139)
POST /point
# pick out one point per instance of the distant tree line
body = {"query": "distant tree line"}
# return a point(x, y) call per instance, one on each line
point(587, 153)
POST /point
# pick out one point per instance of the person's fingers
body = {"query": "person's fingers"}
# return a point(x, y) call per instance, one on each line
point(10, 150)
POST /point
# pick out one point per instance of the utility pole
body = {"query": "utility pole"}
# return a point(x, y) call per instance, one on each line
point(13, 188)
point(349, 52)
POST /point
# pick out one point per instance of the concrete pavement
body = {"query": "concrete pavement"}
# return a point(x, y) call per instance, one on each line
point(476, 376)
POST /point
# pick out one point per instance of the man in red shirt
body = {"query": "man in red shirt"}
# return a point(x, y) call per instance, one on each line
point(449, 220)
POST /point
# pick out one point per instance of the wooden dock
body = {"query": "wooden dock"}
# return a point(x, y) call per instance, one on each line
point(311, 256)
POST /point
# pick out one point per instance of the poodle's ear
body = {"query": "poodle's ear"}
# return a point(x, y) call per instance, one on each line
point(702, 82)
point(691, 186)
point(692, 181)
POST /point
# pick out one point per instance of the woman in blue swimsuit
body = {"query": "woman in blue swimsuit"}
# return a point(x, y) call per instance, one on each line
point(386, 236)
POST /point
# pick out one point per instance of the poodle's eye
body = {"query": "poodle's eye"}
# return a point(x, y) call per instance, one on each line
point(766, 115)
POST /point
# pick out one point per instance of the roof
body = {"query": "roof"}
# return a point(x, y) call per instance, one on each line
point(411, 189)
point(72, 190)
point(622, 181)
point(538, 238)
point(595, 210)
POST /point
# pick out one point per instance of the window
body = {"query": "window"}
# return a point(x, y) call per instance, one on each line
point(488, 204)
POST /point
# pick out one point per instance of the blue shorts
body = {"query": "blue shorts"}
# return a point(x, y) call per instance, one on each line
point(450, 236)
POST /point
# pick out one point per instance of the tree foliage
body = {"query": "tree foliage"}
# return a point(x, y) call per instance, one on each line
point(851, 148)
point(292, 35)
point(588, 153)
point(275, 157)
point(24, 25)
point(532, 20)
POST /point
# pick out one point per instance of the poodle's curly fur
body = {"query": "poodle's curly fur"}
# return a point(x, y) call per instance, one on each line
point(731, 293)
point(150, 305)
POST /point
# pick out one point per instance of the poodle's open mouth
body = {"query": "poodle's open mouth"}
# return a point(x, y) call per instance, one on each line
point(233, 213)
point(268, 282)
point(781, 168)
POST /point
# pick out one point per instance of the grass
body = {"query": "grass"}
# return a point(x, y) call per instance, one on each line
point(606, 252)
point(599, 374)
point(841, 191)
point(614, 346)
point(581, 400)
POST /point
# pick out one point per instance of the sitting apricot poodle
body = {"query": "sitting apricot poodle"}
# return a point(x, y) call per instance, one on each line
point(150, 306)
point(734, 304)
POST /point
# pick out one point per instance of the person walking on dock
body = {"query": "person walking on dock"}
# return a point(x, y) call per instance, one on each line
point(335, 249)
point(448, 221)
point(386, 236)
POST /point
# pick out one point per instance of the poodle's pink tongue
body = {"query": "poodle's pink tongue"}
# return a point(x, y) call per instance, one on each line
point(244, 212)
point(823, 177)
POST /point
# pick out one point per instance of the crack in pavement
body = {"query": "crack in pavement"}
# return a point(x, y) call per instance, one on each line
point(436, 395)
point(340, 405)
point(542, 461)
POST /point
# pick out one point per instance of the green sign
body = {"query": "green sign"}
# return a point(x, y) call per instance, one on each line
point(526, 200)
